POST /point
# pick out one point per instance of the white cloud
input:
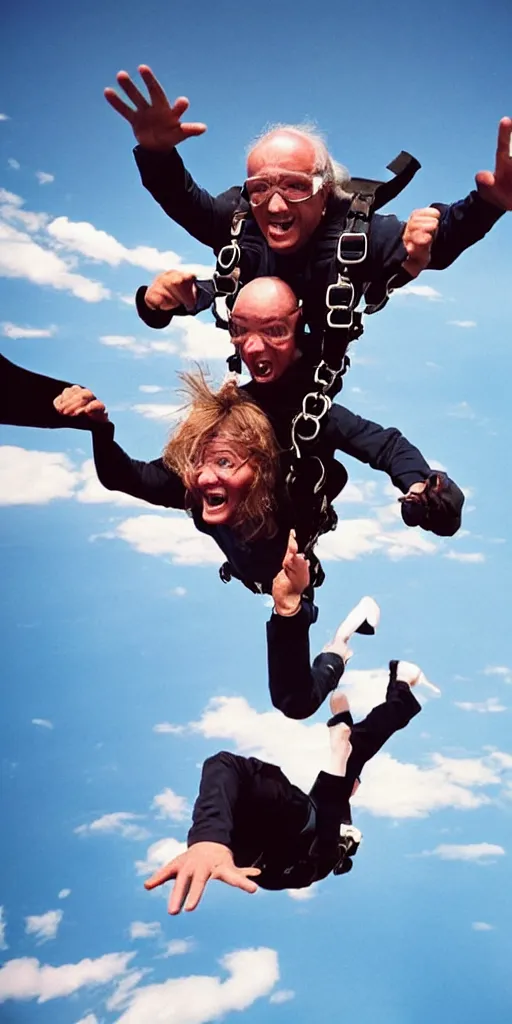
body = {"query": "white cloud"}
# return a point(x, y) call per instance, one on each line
point(357, 492)
point(499, 670)
point(82, 237)
point(63, 894)
point(3, 943)
point(150, 389)
point(302, 895)
point(179, 591)
point(422, 291)
point(158, 854)
point(13, 331)
point(44, 723)
point(482, 926)
point(354, 538)
point(124, 341)
point(157, 411)
point(44, 926)
point(90, 1019)
point(199, 340)
point(178, 947)
point(13, 164)
point(168, 727)
point(22, 257)
point(26, 978)
point(283, 995)
point(4, 117)
point(462, 411)
point(124, 989)
point(91, 492)
point(470, 557)
point(489, 706)
point(145, 929)
point(44, 178)
point(462, 323)
point(170, 805)
point(119, 823)
point(474, 852)
point(173, 535)
point(391, 788)
point(252, 974)
point(33, 477)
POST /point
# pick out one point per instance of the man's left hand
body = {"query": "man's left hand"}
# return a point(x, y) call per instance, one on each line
point(289, 584)
point(497, 188)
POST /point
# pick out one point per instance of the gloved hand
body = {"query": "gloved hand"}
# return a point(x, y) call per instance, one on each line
point(435, 505)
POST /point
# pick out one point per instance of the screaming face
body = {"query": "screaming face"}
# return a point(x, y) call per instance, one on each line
point(223, 477)
point(266, 344)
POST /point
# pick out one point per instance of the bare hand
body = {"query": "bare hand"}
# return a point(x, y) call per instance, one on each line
point(194, 869)
point(497, 188)
point(156, 125)
point(76, 400)
point(418, 237)
point(172, 289)
point(289, 584)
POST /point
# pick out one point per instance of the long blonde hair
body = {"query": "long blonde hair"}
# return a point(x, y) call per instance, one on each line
point(231, 413)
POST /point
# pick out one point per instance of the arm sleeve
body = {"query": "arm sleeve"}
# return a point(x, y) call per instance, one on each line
point(461, 225)
point(159, 318)
point(26, 399)
point(383, 449)
point(205, 217)
point(223, 780)
point(151, 481)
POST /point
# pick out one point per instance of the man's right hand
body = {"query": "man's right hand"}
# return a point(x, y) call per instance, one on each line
point(172, 289)
point(76, 400)
point(192, 871)
point(156, 125)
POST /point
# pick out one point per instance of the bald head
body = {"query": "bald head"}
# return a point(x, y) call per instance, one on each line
point(263, 323)
point(265, 297)
point(288, 148)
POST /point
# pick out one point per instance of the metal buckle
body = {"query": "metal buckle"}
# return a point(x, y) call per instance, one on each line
point(225, 284)
point(228, 258)
point(315, 396)
point(328, 380)
point(339, 299)
point(297, 435)
point(352, 247)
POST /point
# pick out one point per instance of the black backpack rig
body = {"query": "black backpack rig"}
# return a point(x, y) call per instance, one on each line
point(306, 475)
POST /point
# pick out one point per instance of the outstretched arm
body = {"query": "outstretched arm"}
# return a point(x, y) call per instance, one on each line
point(173, 293)
point(150, 481)
point(223, 787)
point(26, 399)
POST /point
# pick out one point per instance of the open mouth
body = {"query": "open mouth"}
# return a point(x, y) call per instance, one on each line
point(215, 499)
point(263, 368)
point(280, 227)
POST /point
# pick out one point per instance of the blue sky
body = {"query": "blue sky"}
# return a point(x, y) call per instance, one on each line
point(114, 621)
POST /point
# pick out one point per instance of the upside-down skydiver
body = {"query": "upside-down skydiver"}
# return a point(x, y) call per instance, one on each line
point(251, 826)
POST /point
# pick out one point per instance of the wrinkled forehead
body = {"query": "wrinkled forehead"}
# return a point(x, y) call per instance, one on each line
point(282, 151)
point(223, 444)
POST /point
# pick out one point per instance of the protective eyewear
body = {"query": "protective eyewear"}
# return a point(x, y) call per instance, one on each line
point(294, 188)
point(275, 333)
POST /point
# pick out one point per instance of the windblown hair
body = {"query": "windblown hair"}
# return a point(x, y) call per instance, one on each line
point(333, 173)
point(229, 413)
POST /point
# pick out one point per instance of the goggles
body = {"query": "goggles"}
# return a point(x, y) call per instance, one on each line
point(294, 187)
point(274, 333)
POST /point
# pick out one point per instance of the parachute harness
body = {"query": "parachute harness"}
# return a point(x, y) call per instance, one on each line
point(306, 480)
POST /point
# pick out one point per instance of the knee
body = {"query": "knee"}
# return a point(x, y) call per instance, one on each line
point(290, 707)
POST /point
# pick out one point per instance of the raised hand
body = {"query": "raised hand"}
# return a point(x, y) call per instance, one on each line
point(172, 289)
point(76, 400)
point(497, 188)
point(193, 870)
point(434, 504)
point(289, 584)
point(156, 124)
point(419, 234)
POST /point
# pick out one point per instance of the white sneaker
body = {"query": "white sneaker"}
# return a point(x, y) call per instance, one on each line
point(411, 674)
point(364, 618)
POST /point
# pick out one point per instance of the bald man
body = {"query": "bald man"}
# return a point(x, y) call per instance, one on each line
point(295, 202)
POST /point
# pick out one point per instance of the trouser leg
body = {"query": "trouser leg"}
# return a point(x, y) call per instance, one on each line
point(297, 687)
